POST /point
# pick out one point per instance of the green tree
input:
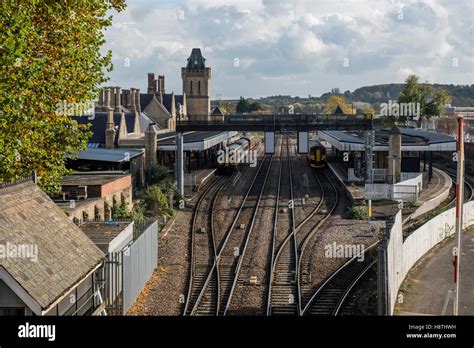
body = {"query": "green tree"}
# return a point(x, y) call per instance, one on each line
point(50, 56)
point(431, 101)
point(243, 105)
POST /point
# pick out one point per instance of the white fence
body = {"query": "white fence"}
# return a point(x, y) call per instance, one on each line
point(407, 190)
point(402, 255)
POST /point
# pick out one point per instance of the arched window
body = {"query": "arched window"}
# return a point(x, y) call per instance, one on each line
point(199, 87)
point(191, 89)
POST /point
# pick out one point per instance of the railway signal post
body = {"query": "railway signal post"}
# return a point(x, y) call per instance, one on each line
point(459, 211)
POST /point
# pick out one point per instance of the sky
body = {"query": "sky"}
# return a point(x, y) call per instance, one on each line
point(259, 48)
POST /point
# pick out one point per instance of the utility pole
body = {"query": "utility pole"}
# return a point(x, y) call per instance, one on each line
point(459, 212)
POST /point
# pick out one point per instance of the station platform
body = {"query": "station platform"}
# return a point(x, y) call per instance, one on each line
point(432, 195)
point(194, 180)
point(204, 175)
point(355, 190)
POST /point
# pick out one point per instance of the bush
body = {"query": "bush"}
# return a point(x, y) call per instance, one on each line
point(157, 174)
point(120, 211)
point(156, 201)
point(358, 212)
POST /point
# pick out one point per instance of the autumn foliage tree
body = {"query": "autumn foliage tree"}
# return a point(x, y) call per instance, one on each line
point(50, 55)
point(334, 101)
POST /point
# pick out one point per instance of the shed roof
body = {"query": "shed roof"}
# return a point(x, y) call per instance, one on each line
point(106, 155)
point(65, 254)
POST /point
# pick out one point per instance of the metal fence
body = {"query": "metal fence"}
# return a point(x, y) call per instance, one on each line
point(190, 179)
point(139, 262)
point(379, 175)
point(406, 193)
point(127, 271)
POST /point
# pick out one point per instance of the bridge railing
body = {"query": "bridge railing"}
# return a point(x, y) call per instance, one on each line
point(277, 122)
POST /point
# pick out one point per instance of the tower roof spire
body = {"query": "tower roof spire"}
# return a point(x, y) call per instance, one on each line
point(196, 60)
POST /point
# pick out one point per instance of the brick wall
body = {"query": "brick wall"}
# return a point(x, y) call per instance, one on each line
point(116, 186)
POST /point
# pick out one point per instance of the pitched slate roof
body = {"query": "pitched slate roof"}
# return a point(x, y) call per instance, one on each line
point(99, 124)
point(65, 254)
point(217, 111)
point(196, 60)
point(178, 99)
point(339, 110)
point(167, 98)
point(145, 99)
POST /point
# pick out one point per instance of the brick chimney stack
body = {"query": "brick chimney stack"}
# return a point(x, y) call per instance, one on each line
point(110, 131)
point(132, 99)
point(107, 97)
point(126, 98)
point(137, 100)
point(117, 99)
point(151, 83)
point(161, 83)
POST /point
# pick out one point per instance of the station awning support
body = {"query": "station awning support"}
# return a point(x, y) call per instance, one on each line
point(179, 163)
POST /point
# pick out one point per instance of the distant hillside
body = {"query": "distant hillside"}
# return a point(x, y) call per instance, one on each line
point(462, 95)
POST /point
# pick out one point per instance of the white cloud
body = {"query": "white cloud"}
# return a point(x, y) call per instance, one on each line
point(299, 44)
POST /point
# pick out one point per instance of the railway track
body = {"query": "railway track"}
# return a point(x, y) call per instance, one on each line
point(218, 284)
point(203, 243)
point(344, 306)
point(287, 276)
point(307, 232)
point(250, 288)
point(468, 187)
point(330, 296)
point(283, 296)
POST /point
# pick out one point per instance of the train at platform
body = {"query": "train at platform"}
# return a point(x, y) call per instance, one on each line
point(317, 156)
point(240, 153)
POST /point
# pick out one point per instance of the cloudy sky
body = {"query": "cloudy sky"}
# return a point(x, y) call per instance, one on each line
point(267, 47)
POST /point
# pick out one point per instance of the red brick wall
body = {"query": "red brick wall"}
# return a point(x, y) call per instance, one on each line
point(116, 186)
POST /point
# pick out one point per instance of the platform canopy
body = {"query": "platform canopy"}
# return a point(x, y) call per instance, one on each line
point(193, 141)
point(412, 140)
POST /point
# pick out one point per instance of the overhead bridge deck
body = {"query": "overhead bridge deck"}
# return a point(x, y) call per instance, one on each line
point(278, 123)
point(269, 124)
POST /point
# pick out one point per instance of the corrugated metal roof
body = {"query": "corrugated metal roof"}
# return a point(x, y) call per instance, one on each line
point(107, 155)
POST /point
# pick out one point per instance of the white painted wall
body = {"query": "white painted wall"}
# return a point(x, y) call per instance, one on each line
point(403, 255)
